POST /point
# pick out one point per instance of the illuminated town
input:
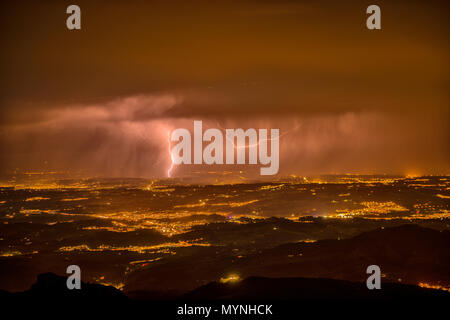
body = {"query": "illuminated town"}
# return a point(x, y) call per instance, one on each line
point(93, 218)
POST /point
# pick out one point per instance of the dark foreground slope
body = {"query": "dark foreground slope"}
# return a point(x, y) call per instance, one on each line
point(293, 278)
point(406, 254)
point(51, 287)
point(287, 298)
point(286, 289)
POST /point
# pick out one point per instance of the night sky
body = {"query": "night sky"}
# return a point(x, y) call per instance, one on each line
point(101, 100)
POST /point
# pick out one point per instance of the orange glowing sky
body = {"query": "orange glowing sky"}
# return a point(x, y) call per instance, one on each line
point(102, 99)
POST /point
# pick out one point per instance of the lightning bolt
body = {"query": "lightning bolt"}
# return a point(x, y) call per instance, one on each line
point(172, 164)
point(256, 144)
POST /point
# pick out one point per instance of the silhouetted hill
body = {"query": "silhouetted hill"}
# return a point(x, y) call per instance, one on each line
point(51, 287)
point(288, 298)
point(406, 254)
point(282, 289)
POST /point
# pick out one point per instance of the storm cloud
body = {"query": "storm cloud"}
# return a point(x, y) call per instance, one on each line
point(102, 99)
